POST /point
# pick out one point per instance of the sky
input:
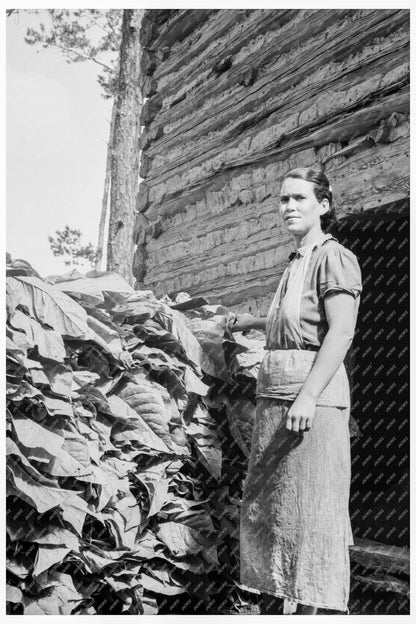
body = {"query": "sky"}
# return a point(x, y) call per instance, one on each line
point(57, 125)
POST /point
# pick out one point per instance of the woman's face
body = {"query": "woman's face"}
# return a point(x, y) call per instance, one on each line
point(299, 207)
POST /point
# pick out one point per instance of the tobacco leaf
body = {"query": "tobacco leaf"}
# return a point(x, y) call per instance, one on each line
point(210, 329)
point(156, 482)
point(61, 600)
point(162, 584)
point(18, 567)
point(106, 335)
point(141, 423)
point(34, 435)
point(51, 307)
point(137, 504)
point(203, 430)
point(175, 323)
point(12, 449)
point(92, 290)
point(13, 594)
point(241, 414)
point(182, 539)
point(157, 409)
point(74, 510)
point(49, 342)
point(40, 496)
point(49, 536)
point(48, 556)
point(22, 390)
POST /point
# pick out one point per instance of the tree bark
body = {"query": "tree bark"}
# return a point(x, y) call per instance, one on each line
point(106, 191)
point(125, 153)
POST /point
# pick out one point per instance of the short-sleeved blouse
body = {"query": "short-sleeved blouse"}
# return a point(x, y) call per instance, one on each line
point(331, 267)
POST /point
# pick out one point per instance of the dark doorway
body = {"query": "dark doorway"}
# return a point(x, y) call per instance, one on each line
point(378, 366)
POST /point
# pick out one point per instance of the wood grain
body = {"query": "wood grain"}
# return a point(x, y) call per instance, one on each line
point(236, 98)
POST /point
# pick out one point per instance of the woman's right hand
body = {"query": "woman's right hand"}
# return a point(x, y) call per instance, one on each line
point(244, 322)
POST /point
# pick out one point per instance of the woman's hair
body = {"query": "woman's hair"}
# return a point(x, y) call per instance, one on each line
point(321, 188)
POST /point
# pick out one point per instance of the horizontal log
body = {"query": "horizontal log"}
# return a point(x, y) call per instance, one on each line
point(338, 130)
point(372, 554)
point(178, 27)
point(140, 229)
point(153, 20)
point(181, 246)
point(142, 199)
point(385, 583)
point(147, 137)
point(149, 88)
point(145, 164)
point(347, 126)
point(374, 177)
point(247, 296)
point(148, 29)
point(139, 265)
point(248, 151)
point(235, 130)
point(324, 40)
point(149, 111)
point(341, 129)
point(163, 52)
point(327, 94)
point(237, 99)
point(148, 62)
point(160, 16)
point(226, 33)
point(357, 182)
point(224, 242)
point(226, 279)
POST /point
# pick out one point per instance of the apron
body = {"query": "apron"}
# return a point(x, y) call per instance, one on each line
point(283, 371)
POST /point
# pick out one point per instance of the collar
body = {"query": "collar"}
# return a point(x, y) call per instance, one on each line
point(302, 250)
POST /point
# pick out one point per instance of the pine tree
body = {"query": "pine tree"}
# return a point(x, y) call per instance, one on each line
point(96, 35)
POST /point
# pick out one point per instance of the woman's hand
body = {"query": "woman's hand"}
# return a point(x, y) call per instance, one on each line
point(126, 359)
point(301, 414)
point(244, 322)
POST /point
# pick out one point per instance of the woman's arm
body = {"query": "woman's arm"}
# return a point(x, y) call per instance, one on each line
point(245, 322)
point(340, 313)
point(260, 323)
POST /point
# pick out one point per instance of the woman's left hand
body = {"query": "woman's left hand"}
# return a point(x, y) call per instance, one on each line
point(301, 414)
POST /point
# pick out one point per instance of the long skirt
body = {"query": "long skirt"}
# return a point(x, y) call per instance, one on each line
point(295, 527)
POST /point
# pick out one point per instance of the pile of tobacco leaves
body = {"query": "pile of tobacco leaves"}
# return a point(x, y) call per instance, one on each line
point(128, 430)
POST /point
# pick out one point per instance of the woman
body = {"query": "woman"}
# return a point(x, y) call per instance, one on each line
point(295, 527)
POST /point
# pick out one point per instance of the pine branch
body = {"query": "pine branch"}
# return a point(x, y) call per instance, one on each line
point(76, 53)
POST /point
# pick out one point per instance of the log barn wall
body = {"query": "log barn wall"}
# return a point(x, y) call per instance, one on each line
point(235, 99)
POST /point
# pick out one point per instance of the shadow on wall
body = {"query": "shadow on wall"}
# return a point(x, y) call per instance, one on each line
point(378, 366)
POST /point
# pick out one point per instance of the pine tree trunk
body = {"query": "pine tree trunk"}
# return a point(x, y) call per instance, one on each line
point(106, 191)
point(125, 153)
